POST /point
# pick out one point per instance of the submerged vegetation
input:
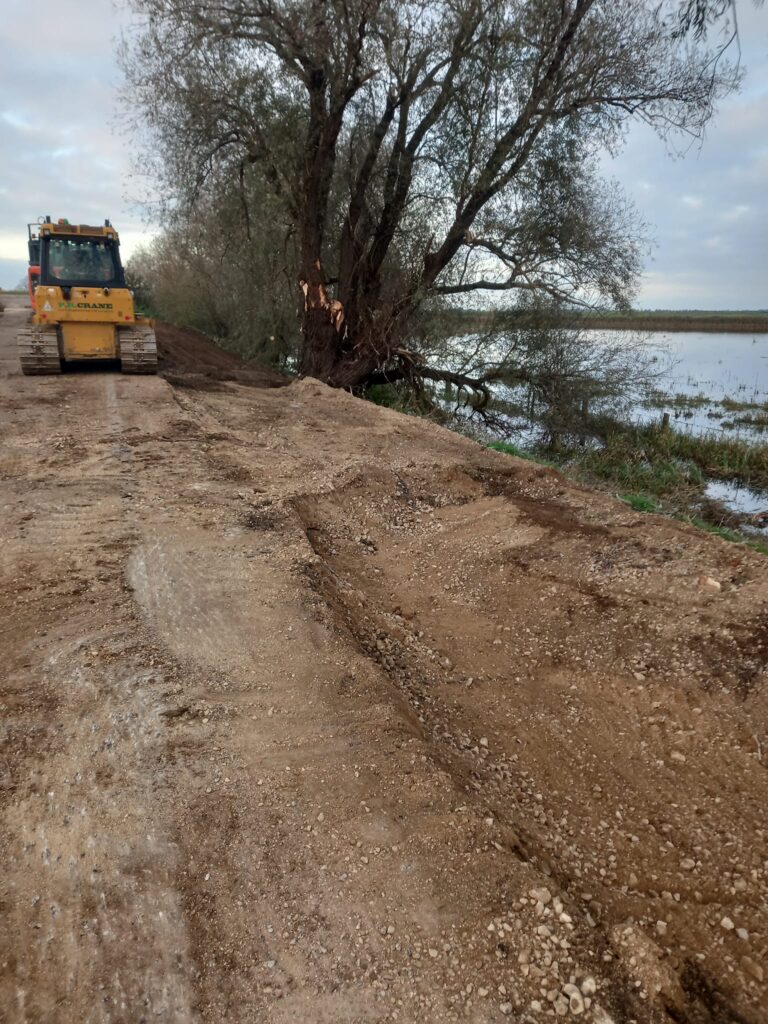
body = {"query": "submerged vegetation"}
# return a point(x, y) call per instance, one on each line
point(658, 461)
point(521, 453)
point(664, 460)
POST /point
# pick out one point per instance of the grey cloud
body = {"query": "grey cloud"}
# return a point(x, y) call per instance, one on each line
point(62, 152)
point(708, 210)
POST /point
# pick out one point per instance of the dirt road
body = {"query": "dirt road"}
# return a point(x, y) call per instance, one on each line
point(315, 713)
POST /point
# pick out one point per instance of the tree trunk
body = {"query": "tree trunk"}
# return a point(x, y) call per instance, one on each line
point(341, 347)
point(331, 359)
point(320, 354)
point(329, 352)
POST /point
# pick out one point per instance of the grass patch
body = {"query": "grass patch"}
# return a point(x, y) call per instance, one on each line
point(717, 457)
point(733, 405)
point(644, 480)
point(714, 528)
point(641, 502)
point(725, 534)
point(658, 460)
point(755, 421)
point(512, 449)
point(664, 464)
point(635, 470)
point(660, 400)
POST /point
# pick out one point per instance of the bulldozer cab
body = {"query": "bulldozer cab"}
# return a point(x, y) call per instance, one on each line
point(80, 261)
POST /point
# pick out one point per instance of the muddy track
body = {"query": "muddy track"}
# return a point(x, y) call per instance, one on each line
point(369, 608)
point(314, 712)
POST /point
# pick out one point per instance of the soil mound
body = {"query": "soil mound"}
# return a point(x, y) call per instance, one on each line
point(189, 358)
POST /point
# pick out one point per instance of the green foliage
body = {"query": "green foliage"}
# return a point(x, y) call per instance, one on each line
point(510, 449)
point(658, 460)
point(403, 398)
point(717, 457)
point(636, 470)
point(658, 480)
point(520, 453)
point(384, 394)
point(641, 502)
point(205, 272)
point(728, 535)
point(716, 529)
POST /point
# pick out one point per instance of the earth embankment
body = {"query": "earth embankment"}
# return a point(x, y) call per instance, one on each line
point(316, 712)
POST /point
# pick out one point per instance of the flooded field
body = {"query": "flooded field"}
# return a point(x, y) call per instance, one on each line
point(716, 382)
point(741, 499)
point(709, 386)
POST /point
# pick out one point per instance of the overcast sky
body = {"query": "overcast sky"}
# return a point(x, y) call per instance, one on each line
point(62, 153)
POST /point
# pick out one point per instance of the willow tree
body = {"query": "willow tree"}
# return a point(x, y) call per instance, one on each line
point(418, 149)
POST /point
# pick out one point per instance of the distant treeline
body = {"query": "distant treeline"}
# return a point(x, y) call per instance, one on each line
point(466, 321)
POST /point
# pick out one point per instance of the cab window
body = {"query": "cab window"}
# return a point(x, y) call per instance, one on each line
point(81, 261)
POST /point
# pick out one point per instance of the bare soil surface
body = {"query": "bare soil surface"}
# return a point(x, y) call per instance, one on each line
point(188, 358)
point(313, 712)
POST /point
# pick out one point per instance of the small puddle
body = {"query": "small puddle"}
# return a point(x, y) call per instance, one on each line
point(740, 499)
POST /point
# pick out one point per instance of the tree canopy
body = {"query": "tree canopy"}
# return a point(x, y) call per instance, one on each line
point(387, 155)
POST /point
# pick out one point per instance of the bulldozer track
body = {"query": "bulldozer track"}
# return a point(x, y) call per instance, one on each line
point(138, 350)
point(38, 348)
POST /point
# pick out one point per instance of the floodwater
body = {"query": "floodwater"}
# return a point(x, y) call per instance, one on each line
point(730, 368)
point(740, 499)
point(719, 372)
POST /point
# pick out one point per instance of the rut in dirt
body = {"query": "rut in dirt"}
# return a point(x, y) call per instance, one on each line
point(376, 539)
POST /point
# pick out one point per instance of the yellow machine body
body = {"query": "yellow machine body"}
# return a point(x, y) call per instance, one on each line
point(75, 322)
point(88, 341)
point(88, 319)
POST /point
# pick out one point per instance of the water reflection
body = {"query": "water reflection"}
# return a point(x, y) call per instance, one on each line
point(740, 499)
point(725, 379)
point(707, 384)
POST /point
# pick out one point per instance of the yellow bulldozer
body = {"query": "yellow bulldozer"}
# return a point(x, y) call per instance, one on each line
point(82, 309)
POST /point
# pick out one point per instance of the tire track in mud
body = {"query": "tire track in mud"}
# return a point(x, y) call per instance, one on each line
point(207, 628)
point(251, 729)
point(494, 781)
point(96, 930)
point(490, 780)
